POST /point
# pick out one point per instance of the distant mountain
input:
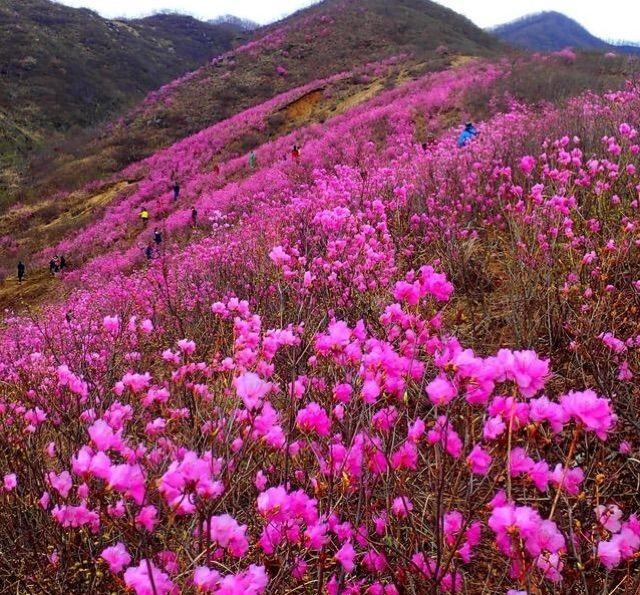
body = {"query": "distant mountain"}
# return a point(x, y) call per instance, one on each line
point(229, 19)
point(63, 68)
point(553, 31)
point(327, 38)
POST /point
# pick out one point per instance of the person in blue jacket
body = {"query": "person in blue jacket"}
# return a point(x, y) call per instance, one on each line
point(467, 134)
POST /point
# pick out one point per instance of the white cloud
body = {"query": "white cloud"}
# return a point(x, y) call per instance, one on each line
point(614, 19)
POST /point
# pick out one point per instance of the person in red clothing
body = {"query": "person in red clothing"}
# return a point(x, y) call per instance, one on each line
point(295, 153)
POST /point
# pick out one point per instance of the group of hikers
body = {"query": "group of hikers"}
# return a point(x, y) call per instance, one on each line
point(157, 234)
point(253, 159)
point(58, 263)
point(144, 217)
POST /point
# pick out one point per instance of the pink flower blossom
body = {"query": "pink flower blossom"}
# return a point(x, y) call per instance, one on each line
point(111, 324)
point(117, 557)
point(479, 460)
point(251, 389)
point(225, 532)
point(313, 418)
point(9, 482)
point(401, 506)
point(589, 410)
point(441, 391)
point(148, 579)
point(346, 556)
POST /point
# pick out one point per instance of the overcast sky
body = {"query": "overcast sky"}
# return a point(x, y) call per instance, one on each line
point(613, 19)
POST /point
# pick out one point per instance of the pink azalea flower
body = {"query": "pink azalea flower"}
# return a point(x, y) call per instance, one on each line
point(401, 506)
point(128, 480)
point(406, 457)
point(346, 556)
point(519, 462)
point(589, 410)
point(139, 579)
point(116, 556)
point(111, 324)
point(147, 518)
point(370, 391)
point(313, 418)
point(9, 482)
point(609, 553)
point(251, 389)
point(61, 483)
point(529, 372)
point(527, 164)
point(225, 532)
point(479, 460)
point(609, 517)
point(441, 391)
point(567, 479)
point(187, 346)
point(493, 427)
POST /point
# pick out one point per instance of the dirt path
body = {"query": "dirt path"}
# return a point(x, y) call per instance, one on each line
point(36, 285)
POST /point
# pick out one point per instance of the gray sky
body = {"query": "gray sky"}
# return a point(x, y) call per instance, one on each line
point(613, 19)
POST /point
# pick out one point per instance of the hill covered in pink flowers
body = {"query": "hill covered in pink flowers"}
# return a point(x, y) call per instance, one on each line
point(385, 365)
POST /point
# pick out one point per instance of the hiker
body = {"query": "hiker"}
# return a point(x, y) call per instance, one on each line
point(21, 271)
point(176, 190)
point(157, 236)
point(63, 263)
point(467, 135)
point(148, 252)
point(194, 216)
point(295, 153)
point(54, 267)
point(253, 160)
point(144, 216)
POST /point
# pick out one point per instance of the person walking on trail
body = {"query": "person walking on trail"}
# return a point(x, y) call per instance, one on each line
point(157, 236)
point(194, 217)
point(63, 262)
point(253, 160)
point(468, 134)
point(144, 216)
point(54, 267)
point(176, 190)
point(148, 252)
point(21, 271)
point(295, 153)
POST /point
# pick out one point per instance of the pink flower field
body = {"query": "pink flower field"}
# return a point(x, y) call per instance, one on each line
point(379, 369)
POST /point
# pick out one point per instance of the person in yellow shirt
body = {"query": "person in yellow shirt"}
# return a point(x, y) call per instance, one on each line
point(144, 216)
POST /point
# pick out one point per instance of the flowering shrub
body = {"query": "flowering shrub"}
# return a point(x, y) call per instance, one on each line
point(338, 382)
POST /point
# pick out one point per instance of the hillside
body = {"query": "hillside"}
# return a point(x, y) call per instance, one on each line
point(326, 39)
point(63, 68)
point(389, 365)
point(553, 31)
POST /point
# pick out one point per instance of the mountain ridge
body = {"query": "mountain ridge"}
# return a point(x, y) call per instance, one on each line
point(313, 43)
point(554, 31)
point(66, 68)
